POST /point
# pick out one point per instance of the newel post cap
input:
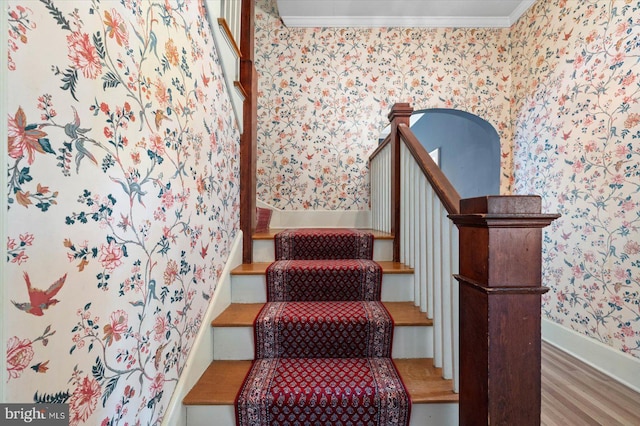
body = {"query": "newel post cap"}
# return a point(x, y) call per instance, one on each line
point(516, 211)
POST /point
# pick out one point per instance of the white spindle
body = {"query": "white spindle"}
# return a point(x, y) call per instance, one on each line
point(447, 367)
point(429, 252)
point(437, 285)
point(421, 272)
point(455, 310)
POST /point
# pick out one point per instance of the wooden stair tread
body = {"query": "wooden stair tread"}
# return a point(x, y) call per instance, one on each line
point(259, 268)
point(219, 384)
point(222, 380)
point(269, 234)
point(244, 314)
point(424, 382)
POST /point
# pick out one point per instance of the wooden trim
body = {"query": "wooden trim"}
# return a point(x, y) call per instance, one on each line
point(441, 185)
point(248, 153)
point(380, 147)
point(229, 35)
point(240, 89)
point(400, 114)
point(247, 29)
point(248, 139)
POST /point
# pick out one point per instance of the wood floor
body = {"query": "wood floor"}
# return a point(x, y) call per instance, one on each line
point(573, 393)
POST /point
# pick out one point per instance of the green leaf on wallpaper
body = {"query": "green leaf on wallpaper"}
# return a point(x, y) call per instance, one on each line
point(70, 79)
point(110, 80)
point(51, 398)
point(109, 388)
point(98, 370)
point(46, 145)
point(60, 19)
point(97, 41)
point(24, 175)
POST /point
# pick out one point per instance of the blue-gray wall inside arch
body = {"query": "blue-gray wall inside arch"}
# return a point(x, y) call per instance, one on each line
point(469, 149)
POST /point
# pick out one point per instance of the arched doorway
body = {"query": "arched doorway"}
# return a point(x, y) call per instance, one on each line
point(469, 148)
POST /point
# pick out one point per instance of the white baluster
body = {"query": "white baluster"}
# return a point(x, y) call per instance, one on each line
point(437, 284)
point(447, 368)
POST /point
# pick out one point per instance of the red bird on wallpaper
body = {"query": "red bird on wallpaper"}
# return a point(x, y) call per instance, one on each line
point(40, 299)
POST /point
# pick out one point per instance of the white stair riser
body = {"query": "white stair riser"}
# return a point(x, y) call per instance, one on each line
point(211, 415)
point(253, 288)
point(237, 343)
point(263, 250)
point(443, 414)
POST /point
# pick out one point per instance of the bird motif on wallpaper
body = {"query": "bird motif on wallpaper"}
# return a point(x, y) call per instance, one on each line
point(159, 116)
point(40, 299)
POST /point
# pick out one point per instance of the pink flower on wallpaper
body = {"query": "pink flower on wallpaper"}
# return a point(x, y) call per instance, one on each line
point(23, 137)
point(19, 355)
point(117, 326)
point(157, 144)
point(83, 54)
point(160, 328)
point(632, 247)
point(171, 272)
point(116, 27)
point(167, 199)
point(110, 256)
point(632, 120)
point(83, 401)
point(157, 384)
point(172, 52)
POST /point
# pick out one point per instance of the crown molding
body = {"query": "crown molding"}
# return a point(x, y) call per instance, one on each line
point(398, 21)
point(520, 10)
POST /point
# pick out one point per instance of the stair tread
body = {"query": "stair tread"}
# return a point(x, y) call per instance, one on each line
point(222, 380)
point(243, 315)
point(259, 268)
point(270, 233)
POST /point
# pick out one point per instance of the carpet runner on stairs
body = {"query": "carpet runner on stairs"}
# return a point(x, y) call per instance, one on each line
point(329, 280)
point(323, 339)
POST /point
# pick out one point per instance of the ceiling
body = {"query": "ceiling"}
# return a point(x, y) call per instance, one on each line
point(402, 13)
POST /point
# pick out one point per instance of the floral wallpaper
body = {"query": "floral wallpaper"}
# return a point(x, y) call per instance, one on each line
point(325, 93)
point(123, 201)
point(576, 120)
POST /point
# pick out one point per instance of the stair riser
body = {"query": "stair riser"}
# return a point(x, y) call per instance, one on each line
point(237, 343)
point(263, 250)
point(253, 288)
point(442, 414)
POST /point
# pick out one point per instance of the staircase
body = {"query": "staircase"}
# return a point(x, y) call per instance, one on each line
point(211, 401)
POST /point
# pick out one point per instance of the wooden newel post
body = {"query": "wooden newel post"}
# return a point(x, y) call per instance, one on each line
point(500, 297)
point(400, 114)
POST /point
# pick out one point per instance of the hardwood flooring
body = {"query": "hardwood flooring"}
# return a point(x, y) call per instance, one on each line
point(575, 394)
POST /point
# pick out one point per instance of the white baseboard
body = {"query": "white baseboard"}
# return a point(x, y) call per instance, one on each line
point(618, 365)
point(201, 353)
point(318, 218)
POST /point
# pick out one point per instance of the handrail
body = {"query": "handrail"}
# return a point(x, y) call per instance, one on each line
point(442, 186)
point(380, 147)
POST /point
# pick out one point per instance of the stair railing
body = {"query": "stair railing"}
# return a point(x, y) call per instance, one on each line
point(412, 198)
point(486, 322)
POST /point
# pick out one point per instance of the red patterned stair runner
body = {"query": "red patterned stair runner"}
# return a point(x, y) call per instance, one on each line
point(324, 243)
point(323, 330)
point(323, 339)
point(329, 280)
